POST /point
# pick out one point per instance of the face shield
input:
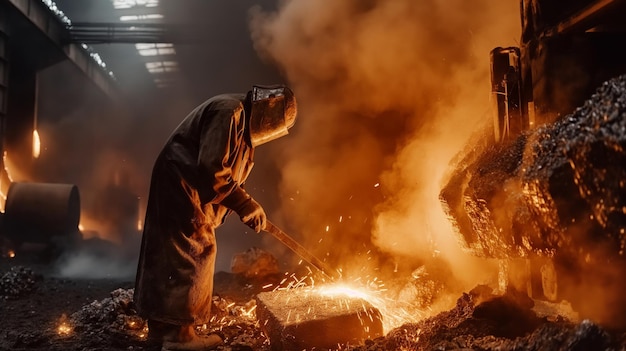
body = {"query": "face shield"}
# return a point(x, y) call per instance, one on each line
point(272, 113)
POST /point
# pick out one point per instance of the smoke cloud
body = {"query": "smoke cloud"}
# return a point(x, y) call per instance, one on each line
point(388, 92)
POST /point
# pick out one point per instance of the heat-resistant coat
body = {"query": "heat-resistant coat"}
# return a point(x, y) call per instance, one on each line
point(206, 158)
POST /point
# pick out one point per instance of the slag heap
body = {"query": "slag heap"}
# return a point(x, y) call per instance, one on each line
point(18, 282)
point(556, 194)
point(557, 190)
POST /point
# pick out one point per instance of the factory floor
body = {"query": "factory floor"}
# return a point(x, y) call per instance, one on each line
point(41, 311)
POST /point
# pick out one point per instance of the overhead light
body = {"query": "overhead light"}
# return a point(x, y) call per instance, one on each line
point(129, 4)
point(157, 49)
point(57, 11)
point(152, 16)
point(162, 66)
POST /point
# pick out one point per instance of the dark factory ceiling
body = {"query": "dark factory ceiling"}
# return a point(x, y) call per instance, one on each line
point(210, 51)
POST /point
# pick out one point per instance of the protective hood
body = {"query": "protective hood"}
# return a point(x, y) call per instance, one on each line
point(273, 112)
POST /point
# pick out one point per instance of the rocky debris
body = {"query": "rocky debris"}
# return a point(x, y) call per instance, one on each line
point(480, 320)
point(575, 169)
point(111, 320)
point(18, 282)
point(477, 314)
point(114, 321)
point(487, 322)
point(20, 340)
point(559, 188)
point(255, 263)
point(236, 323)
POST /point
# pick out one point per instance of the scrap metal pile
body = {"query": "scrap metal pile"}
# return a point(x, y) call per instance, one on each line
point(556, 192)
point(559, 187)
point(17, 282)
point(114, 321)
point(484, 321)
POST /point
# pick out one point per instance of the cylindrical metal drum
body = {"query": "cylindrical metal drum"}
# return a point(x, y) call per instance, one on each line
point(37, 212)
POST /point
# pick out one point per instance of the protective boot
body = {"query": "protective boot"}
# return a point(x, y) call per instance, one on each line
point(181, 337)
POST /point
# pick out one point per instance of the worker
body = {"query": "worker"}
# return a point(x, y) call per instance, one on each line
point(197, 181)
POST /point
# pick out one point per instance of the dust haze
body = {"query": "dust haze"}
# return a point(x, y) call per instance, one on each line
point(388, 92)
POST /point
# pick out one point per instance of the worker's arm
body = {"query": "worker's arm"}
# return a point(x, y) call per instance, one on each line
point(221, 137)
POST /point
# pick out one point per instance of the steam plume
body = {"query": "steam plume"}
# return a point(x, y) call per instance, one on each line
point(389, 92)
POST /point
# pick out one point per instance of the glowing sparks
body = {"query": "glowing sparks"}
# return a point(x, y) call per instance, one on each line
point(138, 327)
point(343, 290)
point(64, 328)
point(376, 185)
point(394, 313)
point(250, 313)
point(362, 291)
point(11, 254)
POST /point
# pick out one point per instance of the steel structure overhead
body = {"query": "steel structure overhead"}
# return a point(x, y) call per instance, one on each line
point(47, 24)
point(604, 12)
point(106, 33)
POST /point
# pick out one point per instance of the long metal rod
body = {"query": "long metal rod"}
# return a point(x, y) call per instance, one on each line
point(299, 249)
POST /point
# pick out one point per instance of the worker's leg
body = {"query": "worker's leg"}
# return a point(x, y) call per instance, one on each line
point(174, 333)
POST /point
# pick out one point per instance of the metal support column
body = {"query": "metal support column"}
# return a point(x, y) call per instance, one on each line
point(4, 97)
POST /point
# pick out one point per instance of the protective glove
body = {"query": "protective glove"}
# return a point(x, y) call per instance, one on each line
point(253, 215)
point(250, 212)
